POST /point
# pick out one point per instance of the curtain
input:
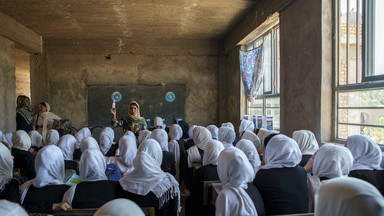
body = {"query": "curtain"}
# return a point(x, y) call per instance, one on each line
point(251, 69)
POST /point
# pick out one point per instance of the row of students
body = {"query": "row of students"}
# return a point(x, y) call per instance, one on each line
point(200, 136)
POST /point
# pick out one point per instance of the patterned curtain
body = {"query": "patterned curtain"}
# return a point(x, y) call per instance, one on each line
point(251, 70)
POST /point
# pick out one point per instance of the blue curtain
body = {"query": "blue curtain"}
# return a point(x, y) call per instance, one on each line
point(251, 70)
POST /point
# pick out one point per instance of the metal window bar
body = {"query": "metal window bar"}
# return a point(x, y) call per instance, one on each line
point(362, 125)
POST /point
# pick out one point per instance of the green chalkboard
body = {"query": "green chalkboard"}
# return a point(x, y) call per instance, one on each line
point(151, 99)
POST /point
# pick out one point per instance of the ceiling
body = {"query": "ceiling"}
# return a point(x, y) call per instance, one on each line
point(144, 19)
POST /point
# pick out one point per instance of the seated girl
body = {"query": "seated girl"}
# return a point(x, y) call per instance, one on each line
point(281, 181)
point(147, 185)
point(44, 193)
point(94, 190)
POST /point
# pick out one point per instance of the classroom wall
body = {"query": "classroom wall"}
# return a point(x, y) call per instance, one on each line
point(306, 68)
point(66, 77)
point(305, 65)
point(7, 86)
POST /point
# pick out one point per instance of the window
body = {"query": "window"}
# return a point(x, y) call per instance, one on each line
point(266, 100)
point(359, 90)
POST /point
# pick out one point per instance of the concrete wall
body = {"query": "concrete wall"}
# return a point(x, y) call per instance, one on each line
point(22, 73)
point(303, 62)
point(65, 77)
point(7, 86)
point(305, 66)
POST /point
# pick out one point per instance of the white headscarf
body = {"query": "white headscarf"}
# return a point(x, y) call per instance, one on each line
point(214, 131)
point(280, 152)
point(306, 141)
point(143, 135)
point(81, 134)
point(228, 124)
point(6, 165)
point(52, 137)
point(8, 208)
point(348, 196)
point(212, 152)
point(67, 145)
point(235, 172)
point(250, 151)
point(148, 176)
point(21, 140)
point(249, 135)
point(1, 136)
point(201, 137)
point(47, 116)
point(175, 132)
point(120, 207)
point(88, 143)
point(263, 133)
point(227, 136)
point(36, 138)
point(131, 134)
point(366, 153)
point(332, 161)
point(49, 165)
point(161, 137)
point(159, 122)
point(92, 168)
point(50, 169)
point(190, 131)
point(7, 138)
point(106, 139)
point(246, 125)
point(128, 150)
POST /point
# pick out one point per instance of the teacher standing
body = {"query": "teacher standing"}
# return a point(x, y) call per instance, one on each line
point(133, 122)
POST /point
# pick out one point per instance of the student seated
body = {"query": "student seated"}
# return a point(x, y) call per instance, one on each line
point(214, 131)
point(9, 187)
point(227, 136)
point(307, 144)
point(80, 135)
point(94, 190)
point(249, 135)
point(44, 193)
point(168, 164)
point(120, 207)
point(23, 159)
point(147, 185)
point(107, 147)
point(143, 135)
point(8, 208)
point(88, 143)
point(367, 163)
point(174, 146)
point(281, 181)
point(67, 145)
point(250, 151)
point(189, 142)
point(128, 150)
point(36, 140)
point(235, 172)
point(245, 125)
point(348, 196)
point(52, 137)
point(208, 172)
point(330, 161)
point(195, 154)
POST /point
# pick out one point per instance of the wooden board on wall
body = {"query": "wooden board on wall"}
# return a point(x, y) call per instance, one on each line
point(151, 99)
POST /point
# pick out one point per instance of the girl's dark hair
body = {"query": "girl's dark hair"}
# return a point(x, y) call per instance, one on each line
point(269, 137)
point(42, 103)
